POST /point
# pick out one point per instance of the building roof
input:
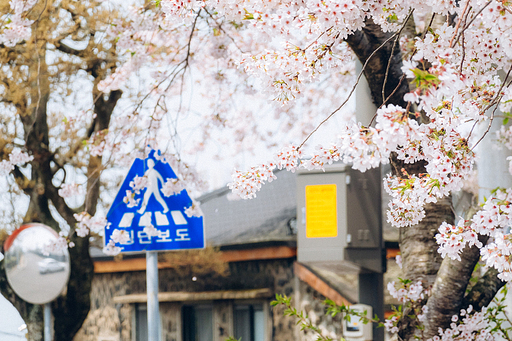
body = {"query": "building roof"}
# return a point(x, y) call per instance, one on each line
point(269, 217)
point(267, 220)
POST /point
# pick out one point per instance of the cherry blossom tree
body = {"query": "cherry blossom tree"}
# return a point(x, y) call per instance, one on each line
point(437, 71)
point(52, 58)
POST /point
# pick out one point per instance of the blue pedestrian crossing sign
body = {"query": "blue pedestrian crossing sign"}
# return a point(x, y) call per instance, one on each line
point(154, 217)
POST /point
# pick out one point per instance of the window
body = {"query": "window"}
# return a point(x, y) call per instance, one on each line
point(197, 323)
point(141, 323)
point(249, 322)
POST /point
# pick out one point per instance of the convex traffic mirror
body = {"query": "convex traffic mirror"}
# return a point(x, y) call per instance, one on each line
point(35, 275)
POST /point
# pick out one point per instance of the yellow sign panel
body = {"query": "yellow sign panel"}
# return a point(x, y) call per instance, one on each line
point(321, 211)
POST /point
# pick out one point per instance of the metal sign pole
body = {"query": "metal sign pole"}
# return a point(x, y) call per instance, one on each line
point(175, 230)
point(47, 322)
point(152, 291)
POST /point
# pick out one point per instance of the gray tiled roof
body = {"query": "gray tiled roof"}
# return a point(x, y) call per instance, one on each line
point(266, 218)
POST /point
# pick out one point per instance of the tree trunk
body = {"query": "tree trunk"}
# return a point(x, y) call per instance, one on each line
point(446, 279)
point(71, 309)
point(36, 142)
point(68, 317)
point(364, 43)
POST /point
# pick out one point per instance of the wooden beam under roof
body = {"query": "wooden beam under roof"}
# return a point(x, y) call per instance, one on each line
point(270, 252)
point(181, 296)
point(139, 264)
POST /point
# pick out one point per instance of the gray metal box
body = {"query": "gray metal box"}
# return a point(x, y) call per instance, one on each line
point(357, 244)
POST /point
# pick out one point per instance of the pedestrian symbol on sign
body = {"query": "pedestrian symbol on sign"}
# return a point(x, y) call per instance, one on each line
point(152, 188)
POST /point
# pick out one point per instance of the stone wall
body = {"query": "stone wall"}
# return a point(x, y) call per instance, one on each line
point(109, 321)
point(106, 320)
point(223, 320)
point(311, 303)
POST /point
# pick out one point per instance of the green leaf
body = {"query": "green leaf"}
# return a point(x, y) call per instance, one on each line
point(248, 16)
point(424, 79)
point(392, 18)
point(404, 281)
point(231, 338)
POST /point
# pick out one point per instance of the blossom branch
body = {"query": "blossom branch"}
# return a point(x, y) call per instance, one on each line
point(356, 83)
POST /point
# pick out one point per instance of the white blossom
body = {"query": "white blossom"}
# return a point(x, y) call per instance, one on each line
point(194, 210)
point(69, 190)
point(138, 183)
point(111, 249)
point(172, 186)
point(120, 236)
point(130, 200)
point(151, 231)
